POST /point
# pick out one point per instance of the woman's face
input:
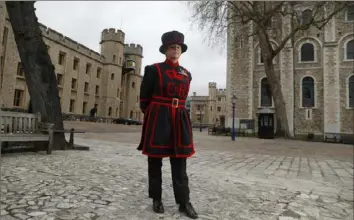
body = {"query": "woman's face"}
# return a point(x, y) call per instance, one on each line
point(173, 52)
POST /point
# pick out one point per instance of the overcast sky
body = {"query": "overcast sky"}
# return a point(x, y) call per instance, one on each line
point(143, 23)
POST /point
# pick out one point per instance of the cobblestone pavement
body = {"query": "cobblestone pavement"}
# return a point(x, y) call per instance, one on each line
point(110, 182)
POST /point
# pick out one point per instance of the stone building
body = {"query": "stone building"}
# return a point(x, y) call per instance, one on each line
point(210, 109)
point(316, 72)
point(85, 78)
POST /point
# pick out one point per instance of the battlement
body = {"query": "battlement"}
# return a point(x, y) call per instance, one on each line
point(199, 98)
point(221, 92)
point(133, 49)
point(212, 84)
point(69, 43)
point(112, 34)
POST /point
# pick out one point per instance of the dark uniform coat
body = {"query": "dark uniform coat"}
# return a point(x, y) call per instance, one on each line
point(167, 130)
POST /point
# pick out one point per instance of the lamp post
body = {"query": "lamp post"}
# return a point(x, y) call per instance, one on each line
point(233, 101)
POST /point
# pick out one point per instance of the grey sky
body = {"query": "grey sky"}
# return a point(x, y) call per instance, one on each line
point(143, 23)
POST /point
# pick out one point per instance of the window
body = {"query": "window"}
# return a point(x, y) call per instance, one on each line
point(114, 58)
point(308, 92)
point(59, 79)
point(219, 99)
point(86, 88)
point(351, 91)
point(120, 60)
point(97, 91)
point(4, 36)
point(73, 83)
point(18, 97)
point(88, 68)
point(117, 111)
point(219, 109)
point(20, 71)
point(98, 75)
point(260, 57)
point(349, 14)
point(211, 108)
point(112, 76)
point(84, 107)
point(76, 64)
point(109, 111)
point(61, 59)
point(266, 94)
point(131, 114)
point(133, 84)
point(307, 53)
point(306, 17)
point(349, 50)
point(72, 105)
point(2, 64)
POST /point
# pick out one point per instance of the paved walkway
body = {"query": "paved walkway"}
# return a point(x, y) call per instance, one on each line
point(110, 181)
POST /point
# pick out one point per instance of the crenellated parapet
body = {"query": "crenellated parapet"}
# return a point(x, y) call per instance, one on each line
point(212, 84)
point(133, 49)
point(69, 43)
point(113, 34)
point(199, 98)
point(221, 92)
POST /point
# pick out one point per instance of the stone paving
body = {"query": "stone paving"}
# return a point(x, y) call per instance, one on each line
point(110, 182)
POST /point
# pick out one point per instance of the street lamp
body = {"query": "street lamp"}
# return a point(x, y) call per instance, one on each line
point(233, 101)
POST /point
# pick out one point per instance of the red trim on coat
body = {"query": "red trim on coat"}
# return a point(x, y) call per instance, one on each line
point(147, 121)
point(152, 145)
point(173, 64)
point(170, 155)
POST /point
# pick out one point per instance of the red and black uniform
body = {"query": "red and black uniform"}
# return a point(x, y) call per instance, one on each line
point(167, 130)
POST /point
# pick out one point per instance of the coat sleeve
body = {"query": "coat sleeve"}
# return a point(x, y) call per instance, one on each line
point(147, 87)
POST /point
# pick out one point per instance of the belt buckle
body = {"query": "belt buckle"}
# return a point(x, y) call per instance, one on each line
point(175, 103)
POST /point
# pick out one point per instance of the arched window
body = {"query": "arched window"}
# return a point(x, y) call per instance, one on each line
point(131, 114)
point(307, 53)
point(133, 84)
point(308, 92)
point(306, 16)
point(112, 76)
point(349, 14)
point(266, 93)
point(349, 50)
point(110, 111)
point(351, 91)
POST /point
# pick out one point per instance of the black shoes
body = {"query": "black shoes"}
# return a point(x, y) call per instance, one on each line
point(188, 210)
point(157, 206)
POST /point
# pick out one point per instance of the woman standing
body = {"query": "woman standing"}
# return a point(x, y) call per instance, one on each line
point(167, 130)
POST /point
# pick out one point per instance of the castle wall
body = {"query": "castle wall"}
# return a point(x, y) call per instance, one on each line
point(85, 78)
point(329, 70)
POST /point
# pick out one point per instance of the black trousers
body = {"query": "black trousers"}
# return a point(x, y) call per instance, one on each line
point(179, 179)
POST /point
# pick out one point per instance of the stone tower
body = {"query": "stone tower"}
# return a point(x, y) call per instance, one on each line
point(132, 81)
point(239, 75)
point(112, 48)
point(212, 101)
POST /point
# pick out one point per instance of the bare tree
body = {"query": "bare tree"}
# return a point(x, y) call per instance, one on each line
point(254, 18)
point(38, 68)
